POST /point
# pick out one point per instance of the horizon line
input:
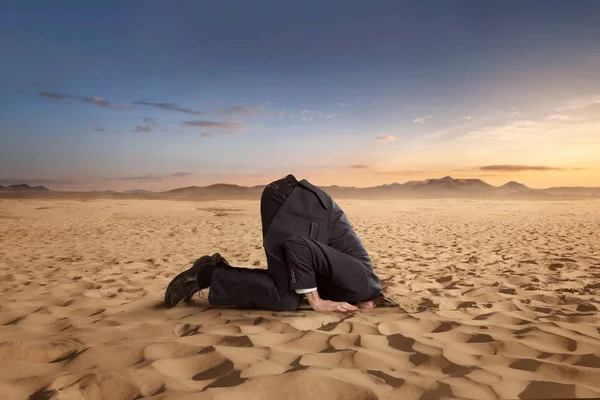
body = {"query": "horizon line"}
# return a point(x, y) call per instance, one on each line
point(24, 182)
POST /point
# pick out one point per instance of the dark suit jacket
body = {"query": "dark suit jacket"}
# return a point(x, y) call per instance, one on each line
point(310, 211)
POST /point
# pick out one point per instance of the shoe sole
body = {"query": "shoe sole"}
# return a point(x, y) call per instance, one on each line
point(195, 269)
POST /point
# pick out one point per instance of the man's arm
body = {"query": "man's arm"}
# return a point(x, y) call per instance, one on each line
point(343, 238)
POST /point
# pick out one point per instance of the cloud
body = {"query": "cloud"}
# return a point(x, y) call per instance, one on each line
point(140, 178)
point(240, 111)
point(582, 102)
point(422, 120)
point(151, 121)
point(467, 117)
point(150, 177)
point(331, 116)
point(560, 117)
point(446, 132)
point(97, 101)
point(56, 96)
point(517, 168)
point(104, 103)
point(35, 84)
point(306, 115)
point(375, 103)
point(206, 134)
point(403, 172)
point(225, 126)
point(169, 107)
point(142, 128)
point(360, 166)
point(99, 130)
point(385, 138)
point(35, 182)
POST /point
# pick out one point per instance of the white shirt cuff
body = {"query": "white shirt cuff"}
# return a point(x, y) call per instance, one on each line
point(303, 291)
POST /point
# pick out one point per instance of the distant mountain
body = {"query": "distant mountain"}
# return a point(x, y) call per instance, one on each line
point(137, 191)
point(24, 188)
point(103, 191)
point(219, 190)
point(573, 191)
point(514, 187)
point(449, 184)
point(446, 186)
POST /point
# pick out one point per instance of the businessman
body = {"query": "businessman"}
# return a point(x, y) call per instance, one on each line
point(311, 250)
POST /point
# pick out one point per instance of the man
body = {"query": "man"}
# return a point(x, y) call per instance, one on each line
point(311, 249)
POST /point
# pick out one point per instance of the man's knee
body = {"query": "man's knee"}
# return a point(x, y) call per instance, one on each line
point(292, 303)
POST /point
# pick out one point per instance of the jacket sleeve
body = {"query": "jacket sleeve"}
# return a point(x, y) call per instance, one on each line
point(343, 237)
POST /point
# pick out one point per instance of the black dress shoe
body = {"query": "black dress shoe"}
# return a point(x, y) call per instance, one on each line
point(187, 283)
point(198, 277)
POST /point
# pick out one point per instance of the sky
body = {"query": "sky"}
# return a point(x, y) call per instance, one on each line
point(158, 95)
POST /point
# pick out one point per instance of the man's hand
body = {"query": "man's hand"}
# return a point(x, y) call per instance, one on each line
point(318, 304)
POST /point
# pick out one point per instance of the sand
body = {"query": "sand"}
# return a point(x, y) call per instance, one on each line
point(499, 299)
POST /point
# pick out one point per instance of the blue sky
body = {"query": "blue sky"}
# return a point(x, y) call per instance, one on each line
point(157, 95)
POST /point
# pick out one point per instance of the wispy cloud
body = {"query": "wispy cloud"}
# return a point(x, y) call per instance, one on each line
point(360, 166)
point(467, 117)
point(169, 107)
point(57, 96)
point(385, 138)
point(151, 121)
point(240, 111)
point(149, 177)
point(422, 120)
point(206, 135)
point(139, 178)
point(402, 172)
point(446, 132)
point(331, 116)
point(518, 168)
point(223, 126)
point(142, 128)
point(181, 174)
point(560, 117)
point(99, 130)
point(97, 101)
point(306, 115)
point(35, 182)
point(581, 102)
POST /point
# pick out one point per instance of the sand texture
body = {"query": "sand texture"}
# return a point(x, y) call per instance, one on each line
point(499, 299)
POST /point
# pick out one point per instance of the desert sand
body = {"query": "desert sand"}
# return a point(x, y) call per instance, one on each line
point(499, 299)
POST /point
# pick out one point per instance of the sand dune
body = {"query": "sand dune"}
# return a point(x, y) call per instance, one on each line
point(499, 299)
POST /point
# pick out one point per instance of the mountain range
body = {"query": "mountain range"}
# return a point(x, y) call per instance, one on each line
point(446, 187)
